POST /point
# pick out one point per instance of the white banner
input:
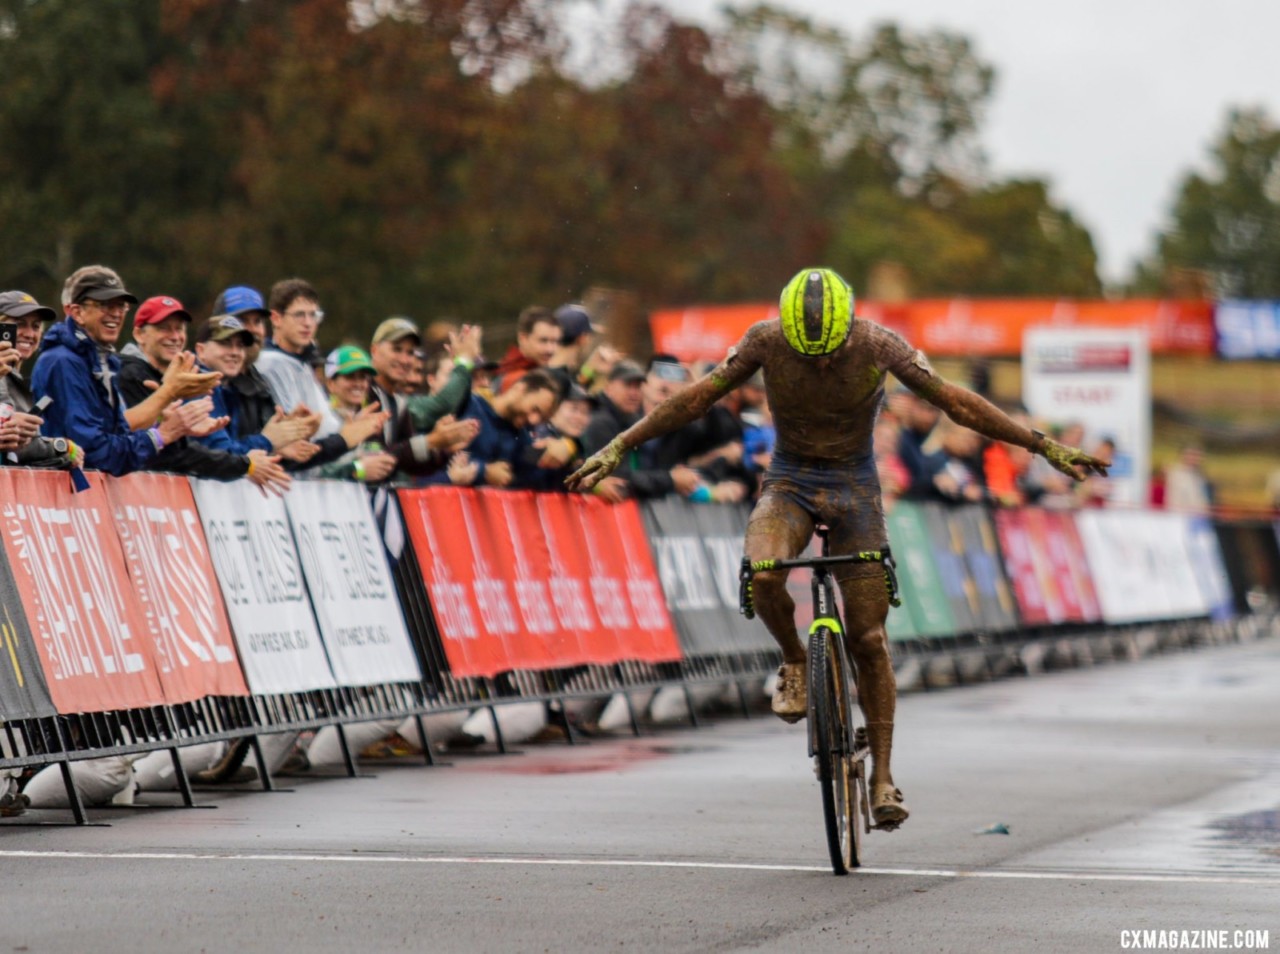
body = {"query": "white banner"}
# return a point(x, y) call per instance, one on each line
point(1100, 378)
point(258, 569)
point(351, 587)
point(1142, 565)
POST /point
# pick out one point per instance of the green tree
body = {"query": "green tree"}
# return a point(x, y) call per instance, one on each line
point(1226, 224)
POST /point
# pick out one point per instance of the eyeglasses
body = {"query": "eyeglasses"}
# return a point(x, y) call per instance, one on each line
point(669, 371)
point(316, 315)
point(117, 306)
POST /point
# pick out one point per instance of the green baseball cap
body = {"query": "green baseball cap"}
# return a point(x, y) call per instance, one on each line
point(347, 360)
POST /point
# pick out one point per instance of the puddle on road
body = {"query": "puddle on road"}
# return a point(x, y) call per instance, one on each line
point(1253, 835)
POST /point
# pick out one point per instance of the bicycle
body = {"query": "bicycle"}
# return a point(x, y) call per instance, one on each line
point(837, 739)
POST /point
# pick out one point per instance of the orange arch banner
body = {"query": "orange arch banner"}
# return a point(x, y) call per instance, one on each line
point(954, 327)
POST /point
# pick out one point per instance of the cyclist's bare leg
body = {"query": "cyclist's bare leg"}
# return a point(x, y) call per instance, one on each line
point(866, 606)
point(778, 529)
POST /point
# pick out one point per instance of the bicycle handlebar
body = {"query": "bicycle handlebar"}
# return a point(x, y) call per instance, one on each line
point(749, 568)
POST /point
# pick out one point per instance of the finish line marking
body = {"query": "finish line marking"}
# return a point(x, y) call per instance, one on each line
point(360, 858)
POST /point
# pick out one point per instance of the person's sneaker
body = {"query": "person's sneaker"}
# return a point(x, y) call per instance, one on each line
point(791, 697)
point(887, 809)
point(394, 746)
point(12, 802)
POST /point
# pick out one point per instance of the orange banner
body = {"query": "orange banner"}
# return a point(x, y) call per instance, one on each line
point(955, 327)
point(68, 564)
point(536, 581)
point(179, 597)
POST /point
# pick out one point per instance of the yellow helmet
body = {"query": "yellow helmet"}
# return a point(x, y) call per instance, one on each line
point(817, 311)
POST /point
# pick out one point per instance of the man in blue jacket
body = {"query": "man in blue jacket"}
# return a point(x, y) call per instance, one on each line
point(78, 366)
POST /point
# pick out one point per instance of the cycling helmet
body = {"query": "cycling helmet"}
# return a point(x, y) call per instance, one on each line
point(817, 311)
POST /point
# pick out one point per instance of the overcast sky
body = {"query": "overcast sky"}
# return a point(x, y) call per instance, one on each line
point(1111, 100)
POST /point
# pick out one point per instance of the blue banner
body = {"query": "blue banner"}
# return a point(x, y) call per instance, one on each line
point(1247, 330)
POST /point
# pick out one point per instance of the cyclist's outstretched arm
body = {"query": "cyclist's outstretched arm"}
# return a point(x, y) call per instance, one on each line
point(673, 413)
point(973, 411)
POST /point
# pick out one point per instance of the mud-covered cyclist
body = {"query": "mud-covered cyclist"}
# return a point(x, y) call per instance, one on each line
point(824, 374)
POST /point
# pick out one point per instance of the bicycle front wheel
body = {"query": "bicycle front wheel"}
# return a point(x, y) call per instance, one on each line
point(831, 742)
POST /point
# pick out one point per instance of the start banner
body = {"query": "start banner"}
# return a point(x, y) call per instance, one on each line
point(76, 593)
point(350, 584)
point(174, 586)
point(258, 569)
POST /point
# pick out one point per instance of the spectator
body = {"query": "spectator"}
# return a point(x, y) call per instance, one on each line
point(160, 336)
point(566, 427)
point(222, 344)
point(587, 363)
point(349, 372)
point(78, 368)
point(893, 475)
point(499, 450)
point(1005, 468)
point(19, 435)
point(1095, 490)
point(537, 338)
point(285, 364)
point(1186, 487)
point(918, 419)
point(249, 399)
point(758, 433)
point(959, 479)
point(422, 431)
point(285, 361)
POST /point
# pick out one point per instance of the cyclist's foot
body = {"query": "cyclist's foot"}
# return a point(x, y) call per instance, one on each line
point(887, 810)
point(791, 697)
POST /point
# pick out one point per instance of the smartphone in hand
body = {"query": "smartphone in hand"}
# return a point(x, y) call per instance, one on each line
point(9, 332)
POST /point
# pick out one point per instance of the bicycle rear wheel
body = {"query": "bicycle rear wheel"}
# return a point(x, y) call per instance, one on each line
point(831, 742)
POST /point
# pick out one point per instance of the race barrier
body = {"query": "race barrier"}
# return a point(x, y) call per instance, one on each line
point(152, 612)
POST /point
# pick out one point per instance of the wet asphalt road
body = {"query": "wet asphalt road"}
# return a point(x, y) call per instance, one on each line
point(1137, 796)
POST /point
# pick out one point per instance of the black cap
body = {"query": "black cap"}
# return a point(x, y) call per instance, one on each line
point(574, 322)
point(627, 371)
point(99, 283)
point(18, 304)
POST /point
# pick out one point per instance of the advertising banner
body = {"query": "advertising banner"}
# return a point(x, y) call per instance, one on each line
point(76, 592)
point(997, 609)
point(962, 327)
point(257, 566)
point(1141, 565)
point(1099, 378)
point(174, 586)
point(947, 545)
point(505, 570)
point(923, 593)
point(1070, 566)
point(1039, 602)
point(698, 550)
point(350, 584)
point(23, 693)
point(1210, 570)
point(1247, 330)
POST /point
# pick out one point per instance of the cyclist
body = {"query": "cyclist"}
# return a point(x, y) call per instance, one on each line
point(824, 372)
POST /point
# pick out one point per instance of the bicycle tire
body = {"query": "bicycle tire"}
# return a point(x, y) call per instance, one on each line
point(830, 743)
point(848, 766)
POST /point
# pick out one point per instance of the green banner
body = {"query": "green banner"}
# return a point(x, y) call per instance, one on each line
point(923, 594)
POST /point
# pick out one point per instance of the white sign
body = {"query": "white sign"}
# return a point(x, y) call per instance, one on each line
point(1141, 562)
point(1099, 378)
point(258, 569)
point(350, 583)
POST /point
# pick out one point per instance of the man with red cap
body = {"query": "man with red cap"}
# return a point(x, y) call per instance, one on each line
point(159, 339)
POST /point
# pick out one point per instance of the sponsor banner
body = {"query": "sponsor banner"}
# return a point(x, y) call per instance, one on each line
point(176, 590)
point(1141, 565)
point(960, 327)
point(997, 608)
point(1101, 379)
point(23, 693)
point(1247, 330)
point(69, 568)
point(698, 551)
point(350, 584)
point(947, 547)
point(257, 566)
point(923, 593)
point(506, 570)
point(1070, 567)
point(1211, 573)
point(1020, 534)
point(623, 574)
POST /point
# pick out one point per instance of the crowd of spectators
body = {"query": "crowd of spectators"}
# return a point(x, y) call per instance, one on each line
point(257, 397)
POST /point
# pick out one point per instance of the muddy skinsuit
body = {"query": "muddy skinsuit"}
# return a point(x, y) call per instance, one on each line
point(823, 470)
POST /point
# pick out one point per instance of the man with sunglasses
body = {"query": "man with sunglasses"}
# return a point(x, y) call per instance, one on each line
point(78, 368)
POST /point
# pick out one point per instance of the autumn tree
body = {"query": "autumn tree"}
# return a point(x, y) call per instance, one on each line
point(1225, 223)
